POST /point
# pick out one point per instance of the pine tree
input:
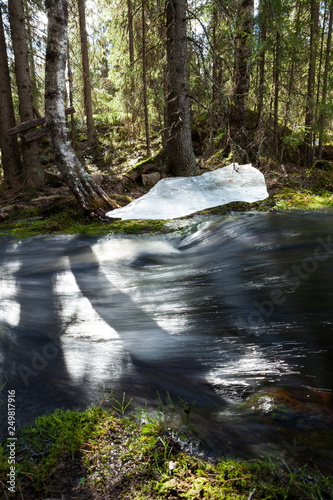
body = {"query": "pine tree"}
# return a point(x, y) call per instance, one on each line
point(10, 157)
point(91, 134)
point(33, 172)
point(241, 81)
point(179, 149)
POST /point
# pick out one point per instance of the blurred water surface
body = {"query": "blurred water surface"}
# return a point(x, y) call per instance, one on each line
point(236, 316)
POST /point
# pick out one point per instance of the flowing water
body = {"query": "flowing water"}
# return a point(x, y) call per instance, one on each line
point(236, 315)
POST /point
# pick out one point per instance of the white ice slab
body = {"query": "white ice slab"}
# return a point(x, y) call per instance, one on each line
point(179, 196)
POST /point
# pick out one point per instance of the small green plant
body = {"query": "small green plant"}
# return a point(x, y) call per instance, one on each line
point(104, 396)
point(187, 409)
point(3, 386)
point(121, 406)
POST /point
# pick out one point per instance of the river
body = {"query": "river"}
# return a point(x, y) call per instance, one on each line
point(234, 315)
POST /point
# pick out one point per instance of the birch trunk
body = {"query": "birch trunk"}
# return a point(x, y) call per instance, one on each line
point(89, 195)
point(179, 149)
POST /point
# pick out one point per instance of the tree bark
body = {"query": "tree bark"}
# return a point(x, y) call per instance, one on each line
point(31, 55)
point(276, 92)
point(91, 134)
point(89, 195)
point(309, 118)
point(130, 31)
point(32, 168)
point(179, 148)
point(296, 27)
point(322, 115)
point(263, 33)
point(10, 157)
point(71, 100)
point(144, 78)
point(217, 107)
point(242, 72)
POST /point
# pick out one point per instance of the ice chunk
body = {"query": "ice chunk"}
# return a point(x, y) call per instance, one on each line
point(179, 196)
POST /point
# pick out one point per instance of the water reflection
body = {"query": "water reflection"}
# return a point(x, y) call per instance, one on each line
point(236, 317)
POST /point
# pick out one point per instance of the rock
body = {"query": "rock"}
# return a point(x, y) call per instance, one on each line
point(53, 179)
point(323, 165)
point(4, 211)
point(98, 178)
point(151, 179)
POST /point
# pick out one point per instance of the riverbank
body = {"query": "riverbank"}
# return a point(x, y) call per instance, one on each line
point(102, 454)
point(53, 210)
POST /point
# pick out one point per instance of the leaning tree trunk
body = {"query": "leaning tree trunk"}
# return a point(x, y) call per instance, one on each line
point(179, 148)
point(10, 157)
point(89, 195)
point(32, 167)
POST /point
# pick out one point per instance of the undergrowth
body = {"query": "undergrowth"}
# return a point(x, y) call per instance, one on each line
point(103, 454)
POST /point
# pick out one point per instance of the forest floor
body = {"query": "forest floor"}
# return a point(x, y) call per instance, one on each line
point(53, 209)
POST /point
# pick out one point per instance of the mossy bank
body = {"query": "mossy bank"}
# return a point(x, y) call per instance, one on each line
point(100, 454)
point(53, 210)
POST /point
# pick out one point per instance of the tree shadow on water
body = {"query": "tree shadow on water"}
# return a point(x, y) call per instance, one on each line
point(34, 351)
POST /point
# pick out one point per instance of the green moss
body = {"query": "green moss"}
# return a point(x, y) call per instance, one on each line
point(59, 220)
point(95, 451)
point(289, 199)
point(140, 164)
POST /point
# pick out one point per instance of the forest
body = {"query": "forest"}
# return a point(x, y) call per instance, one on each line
point(195, 364)
point(196, 85)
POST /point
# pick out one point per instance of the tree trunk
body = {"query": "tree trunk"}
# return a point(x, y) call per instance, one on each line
point(179, 148)
point(263, 32)
point(309, 118)
point(91, 134)
point(32, 168)
point(217, 108)
point(321, 56)
point(10, 157)
point(276, 92)
point(144, 78)
point(291, 77)
point(325, 77)
point(242, 72)
point(71, 100)
point(130, 31)
point(89, 195)
point(31, 55)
